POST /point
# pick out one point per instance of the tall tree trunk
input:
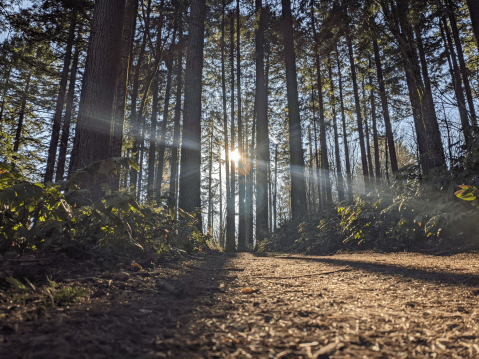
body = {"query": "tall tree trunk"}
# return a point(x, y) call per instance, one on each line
point(173, 196)
point(164, 123)
point(190, 176)
point(316, 151)
point(21, 117)
point(135, 117)
point(225, 122)
point(128, 35)
point(336, 135)
point(67, 119)
point(57, 117)
point(327, 196)
point(250, 182)
point(473, 6)
point(101, 73)
point(298, 190)
point(384, 104)
point(345, 133)
point(427, 129)
point(210, 178)
point(456, 80)
point(152, 150)
point(262, 131)
point(242, 244)
point(231, 224)
point(275, 221)
point(364, 161)
point(368, 141)
point(460, 56)
point(377, 164)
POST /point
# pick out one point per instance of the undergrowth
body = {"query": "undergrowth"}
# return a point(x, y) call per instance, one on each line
point(437, 211)
point(60, 217)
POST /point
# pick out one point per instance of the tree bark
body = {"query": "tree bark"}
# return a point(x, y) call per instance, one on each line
point(190, 176)
point(377, 164)
point(225, 121)
point(164, 123)
point(368, 140)
point(336, 136)
point(345, 133)
point(129, 27)
point(460, 56)
point(298, 190)
point(21, 117)
point(96, 102)
point(173, 196)
point(262, 131)
point(242, 244)
point(231, 224)
point(325, 177)
point(364, 161)
point(57, 117)
point(67, 119)
point(152, 150)
point(385, 108)
point(135, 117)
point(456, 80)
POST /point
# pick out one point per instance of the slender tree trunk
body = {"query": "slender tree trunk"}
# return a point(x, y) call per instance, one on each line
point(242, 244)
point(336, 136)
point(384, 104)
point(460, 56)
point(262, 131)
point(427, 129)
point(190, 176)
point(100, 78)
point(231, 224)
point(250, 183)
point(368, 141)
point(57, 117)
point(316, 151)
point(325, 177)
point(21, 117)
point(164, 123)
point(310, 191)
point(225, 124)
point(67, 119)
point(377, 164)
point(152, 150)
point(128, 34)
point(298, 190)
point(456, 80)
point(358, 115)
point(135, 117)
point(173, 196)
point(473, 6)
point(345, 133)
point(210, 178)
point(275, 223)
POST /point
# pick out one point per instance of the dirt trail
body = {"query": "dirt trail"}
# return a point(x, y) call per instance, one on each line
point(344, 306)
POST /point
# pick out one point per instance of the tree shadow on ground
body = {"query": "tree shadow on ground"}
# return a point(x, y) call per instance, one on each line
point(134, 321)
point(440, 277)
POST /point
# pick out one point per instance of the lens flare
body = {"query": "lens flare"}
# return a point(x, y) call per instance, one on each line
point(234, 156)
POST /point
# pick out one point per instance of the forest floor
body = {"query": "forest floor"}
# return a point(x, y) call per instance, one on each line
point(357, 305)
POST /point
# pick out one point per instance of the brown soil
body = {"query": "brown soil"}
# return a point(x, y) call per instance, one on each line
point(367, 305)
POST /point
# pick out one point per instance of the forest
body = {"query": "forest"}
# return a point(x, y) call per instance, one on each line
point(176, 138)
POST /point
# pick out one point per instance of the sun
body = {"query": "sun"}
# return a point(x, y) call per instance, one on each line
point(234, 155)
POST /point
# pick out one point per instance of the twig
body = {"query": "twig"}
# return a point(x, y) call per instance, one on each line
point(309, 275)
